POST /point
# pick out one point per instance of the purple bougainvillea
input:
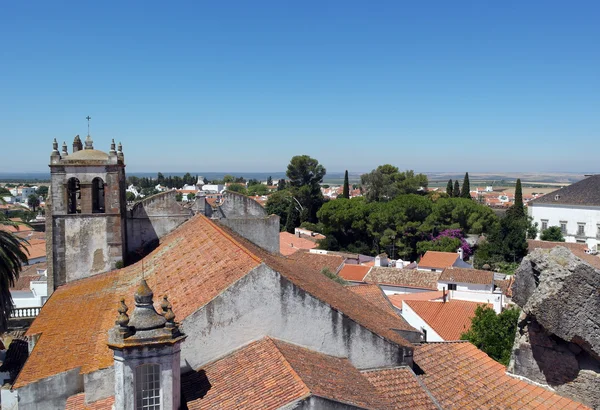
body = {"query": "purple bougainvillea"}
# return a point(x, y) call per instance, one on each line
point(456, 233)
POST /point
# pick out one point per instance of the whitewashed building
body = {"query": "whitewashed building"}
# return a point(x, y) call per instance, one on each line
point(575, 209)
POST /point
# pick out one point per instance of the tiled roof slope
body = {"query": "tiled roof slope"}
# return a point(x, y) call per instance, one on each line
point(397, 299)
point(410, 278)
point(401, 386)
point(305, 272)
point(438, 260)
point(270, 374)
point(460, 376)
point(331, 377)
point(584, 192)
point(316, 261)
point(374, 295)
point(256, 376)
point(354, 273)
point(473, 276)
point(77, 402)
point(192, 265)
point(449, 320)
point(290, 243)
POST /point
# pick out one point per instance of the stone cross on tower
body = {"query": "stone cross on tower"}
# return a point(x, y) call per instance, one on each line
point(88, 118)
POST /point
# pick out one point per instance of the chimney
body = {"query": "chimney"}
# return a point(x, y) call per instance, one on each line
point(444, 294)
point(460, 253)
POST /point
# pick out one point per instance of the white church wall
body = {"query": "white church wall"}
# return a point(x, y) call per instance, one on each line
point(263, 303)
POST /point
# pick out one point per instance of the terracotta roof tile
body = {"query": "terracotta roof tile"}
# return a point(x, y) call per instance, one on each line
point(449, 320)
point(192, 265)
point(397, 299)
point(462, 275)
point(374, 295)
point(410, 278)
point(77, 402)
point(438, 260)
point(290, 243)
point(270, 373)
point(401, 386)
point(460, 376)
point(36, 248)
point(354, 273)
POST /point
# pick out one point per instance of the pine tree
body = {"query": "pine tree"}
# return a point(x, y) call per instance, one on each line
point(456, 190)
point(269, 181)
point(346, 192)
point(466, 188)
point(449, 188)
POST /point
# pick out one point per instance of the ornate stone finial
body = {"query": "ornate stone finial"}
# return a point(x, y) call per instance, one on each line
point(123, 319)
point(143, 294)
point(165, 305)
point(64, 152)
point(77, 145)
point(112, 146)
point(170, 316)
point(89, 144)
point(54, 146)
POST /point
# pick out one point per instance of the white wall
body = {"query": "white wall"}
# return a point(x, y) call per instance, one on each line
point(392, 290)
point(415, 321)
point(572, 214)
point(497, 300)
point(469, 287)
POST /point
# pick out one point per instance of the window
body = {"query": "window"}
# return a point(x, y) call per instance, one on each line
point(73, 196)
point(147, 387)
point(97, 196)
point(451, 286)
point(580, 229)
point(544, 224)
point(563, 227)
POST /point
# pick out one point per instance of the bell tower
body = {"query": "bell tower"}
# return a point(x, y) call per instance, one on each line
point(86, 212)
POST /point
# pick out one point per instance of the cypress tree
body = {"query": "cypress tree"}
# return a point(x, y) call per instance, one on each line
point(518, 206)
point(449, 188)
point(456, 190)
point(466, 188)
point(293, 219)
point(346, 192)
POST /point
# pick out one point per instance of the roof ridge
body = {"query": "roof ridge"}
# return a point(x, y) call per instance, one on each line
point(231, 239)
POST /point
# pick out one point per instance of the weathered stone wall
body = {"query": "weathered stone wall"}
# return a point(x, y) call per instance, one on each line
point(55, 390)
point(99, 385)
point(264, 232)
point(558, 336)
point(264, 303)
point(151, 219)
point(249, 219)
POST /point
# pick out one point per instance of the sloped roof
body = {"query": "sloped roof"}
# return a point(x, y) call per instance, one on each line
point(578, 250)
point(438, 260)
point(354, 273)
point(192, 265)
point(270, 373)
point(410, 278)
point(397, 299)
point(36, 248)
point(77, 402)
point(374, 295)
point(450, 319)
point(290, 243)
point(460, 376)
point(401, 386)
point(461, 275)
point(585, 192)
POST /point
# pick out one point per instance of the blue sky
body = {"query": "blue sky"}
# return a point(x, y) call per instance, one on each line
point(245, 85)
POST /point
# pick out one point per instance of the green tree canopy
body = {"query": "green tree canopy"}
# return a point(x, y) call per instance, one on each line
point(456, 189)
point(269, 181)
point(553, 234)
point(191, 196)
point(492, 333)
point(449, 188)
point(281, 185)
point(278, 204)
point(518, 206)
point(130, 196)
point(292, 220)
point(42, 191)
point(239, 188)
point(258, 189)
point(386, 182)
point(305, 175)
point(466, 188)
point(33, 201)
point(346, 191)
